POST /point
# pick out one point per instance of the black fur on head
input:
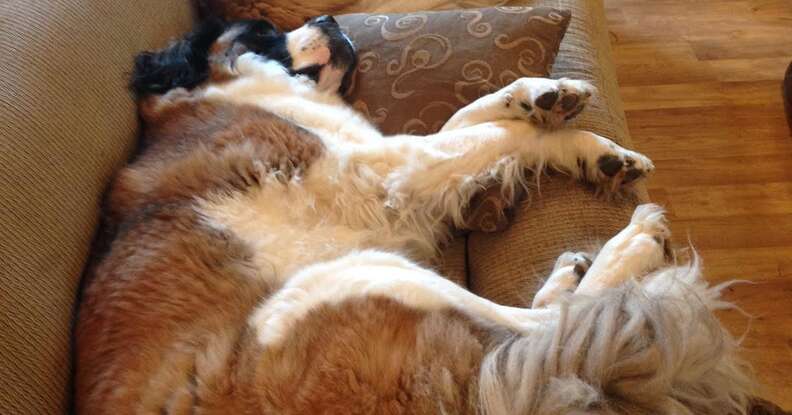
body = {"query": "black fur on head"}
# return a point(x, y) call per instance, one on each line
point(263, 38)
point(189, 62)
point(186, 63)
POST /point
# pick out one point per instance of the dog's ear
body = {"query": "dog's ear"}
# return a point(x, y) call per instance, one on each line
point(184, 64)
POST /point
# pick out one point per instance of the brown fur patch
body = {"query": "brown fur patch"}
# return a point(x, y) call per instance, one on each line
point(364, 356)
point(166, 308)
point(195, 147)
point(170, 289)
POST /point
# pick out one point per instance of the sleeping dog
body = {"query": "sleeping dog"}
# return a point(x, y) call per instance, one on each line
point(270, 255)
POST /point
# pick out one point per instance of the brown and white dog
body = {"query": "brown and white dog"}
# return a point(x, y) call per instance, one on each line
point(266, 259)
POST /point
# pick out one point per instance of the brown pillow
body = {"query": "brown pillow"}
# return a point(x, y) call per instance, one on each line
point(416, 69)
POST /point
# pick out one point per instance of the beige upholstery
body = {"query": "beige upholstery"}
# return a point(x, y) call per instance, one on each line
point(508, 266)
point(454, 262)
point(66, 124)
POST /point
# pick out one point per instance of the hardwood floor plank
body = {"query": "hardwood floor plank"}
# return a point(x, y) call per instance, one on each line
point(756, 264)
point(746, 70)
point(729, 200)
point(735, 232)
point(702, 94)
point(767, 343)
point(739, 130)
point(669, 63)
point(712, 171)
point(743, 45)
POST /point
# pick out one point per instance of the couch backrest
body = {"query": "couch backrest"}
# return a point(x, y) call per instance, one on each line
point(66, 124)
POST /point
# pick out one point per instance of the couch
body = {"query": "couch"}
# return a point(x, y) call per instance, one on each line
point(67, 123)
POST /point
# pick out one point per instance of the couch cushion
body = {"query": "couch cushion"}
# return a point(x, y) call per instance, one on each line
point(66, 124)
point(507, 267)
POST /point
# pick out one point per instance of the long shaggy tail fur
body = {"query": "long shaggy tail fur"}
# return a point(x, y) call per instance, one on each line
point(653, 347)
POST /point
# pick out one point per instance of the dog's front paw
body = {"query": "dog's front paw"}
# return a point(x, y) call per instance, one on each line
point(612, 166)
point(548, 102)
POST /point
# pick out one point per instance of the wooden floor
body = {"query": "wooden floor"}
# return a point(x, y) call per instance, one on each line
point(701, 84)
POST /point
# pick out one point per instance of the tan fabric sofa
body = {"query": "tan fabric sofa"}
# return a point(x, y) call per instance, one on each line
point(67, 123)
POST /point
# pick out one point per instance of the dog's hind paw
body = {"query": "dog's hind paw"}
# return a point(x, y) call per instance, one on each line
point(569, 269)
point(637, 250)
point(548, 102)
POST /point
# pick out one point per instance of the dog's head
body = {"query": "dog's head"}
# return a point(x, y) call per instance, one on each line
point(318, 50)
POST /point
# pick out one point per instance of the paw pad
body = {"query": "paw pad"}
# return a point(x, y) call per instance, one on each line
point(616, 167)
point(547, 100)
point(610, 164)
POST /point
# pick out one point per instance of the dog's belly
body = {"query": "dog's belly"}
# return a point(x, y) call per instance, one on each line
point(289, 226)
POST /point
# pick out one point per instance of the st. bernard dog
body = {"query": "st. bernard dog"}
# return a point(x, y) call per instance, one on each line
point(271, 248)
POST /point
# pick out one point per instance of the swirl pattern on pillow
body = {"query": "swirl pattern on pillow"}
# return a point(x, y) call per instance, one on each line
point(416, 69)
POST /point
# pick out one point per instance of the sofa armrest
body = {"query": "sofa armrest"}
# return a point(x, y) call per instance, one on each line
point(67, 123)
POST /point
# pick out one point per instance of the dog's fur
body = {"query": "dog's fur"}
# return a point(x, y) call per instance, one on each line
point(271, 253)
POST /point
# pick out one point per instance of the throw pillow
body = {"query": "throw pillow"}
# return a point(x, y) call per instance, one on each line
point(416, 69)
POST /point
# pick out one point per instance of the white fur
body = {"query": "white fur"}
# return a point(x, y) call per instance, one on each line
point(634, 252)
point(307, 46)
point(398, 194)
point(650, 346)
point(563, 279)
point(368, 193)
point(375, 273)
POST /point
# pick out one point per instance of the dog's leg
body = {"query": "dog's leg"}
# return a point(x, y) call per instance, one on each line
point(634, 252)
point(541, 101)
point(547, 104)
point(594, 159)
point(496, 138)
point(373, 273)
point(569, 269)
point(458, 163)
